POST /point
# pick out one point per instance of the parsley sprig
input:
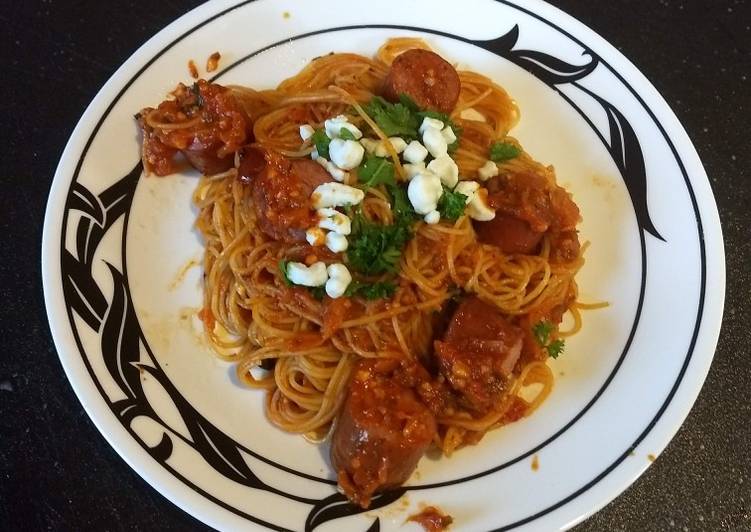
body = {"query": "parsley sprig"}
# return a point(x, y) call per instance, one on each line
point(375, 171)
point(403, 119)
point(503, 151)
point(452, 204)
point(321, 141)
point(542, 331)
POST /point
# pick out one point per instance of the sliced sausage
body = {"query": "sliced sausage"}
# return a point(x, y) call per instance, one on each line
point(281, 190)
point(203, 122)
point(425, 77)
point(381, 433)
point(478, 353)
point(509, 233)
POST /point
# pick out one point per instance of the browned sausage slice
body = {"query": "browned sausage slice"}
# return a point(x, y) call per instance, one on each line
point(509, 233)
point(425, 77)
point(477, 354)
point(281, 192)
point(381, 434)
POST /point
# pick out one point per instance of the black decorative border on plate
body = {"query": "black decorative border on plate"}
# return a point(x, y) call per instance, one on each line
point(121, 336)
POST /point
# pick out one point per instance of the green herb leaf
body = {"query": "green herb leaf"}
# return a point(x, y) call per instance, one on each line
point(452, 204)
point(541, 331)
point(375, 248)
point(556, 348)
point(283, 269)
point(318, 292)
point(400, 204)
point(321, 142)
point(394, 119)
point(503, 151)
point(370, 291)
point(408, 102)
point(346, 134)
point(375, 171)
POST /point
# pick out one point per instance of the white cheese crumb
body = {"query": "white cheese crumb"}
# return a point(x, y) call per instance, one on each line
point(346, 154)
point(488, 170)
point(433, 217)
point(333, 170)
point(448, 134)
point(430, 123)
point(424, 191)
point(339, 280)
point(315, 236)
point(398, 143)
point(414, 152)
point(334, 220)
point(334, 127)
point(477, 201)
point(306, 131)
point(336, 242)
point(411, 170)
point(434, 142)
point(336, 195)
point(300, 274)
point(446, 169)
point(370, 145)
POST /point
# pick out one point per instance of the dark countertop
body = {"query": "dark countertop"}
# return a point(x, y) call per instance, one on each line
point(56, 470)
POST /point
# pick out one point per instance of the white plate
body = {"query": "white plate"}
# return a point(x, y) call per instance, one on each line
point(123, 324)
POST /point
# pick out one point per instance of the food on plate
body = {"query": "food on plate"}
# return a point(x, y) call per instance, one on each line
point(382, 258)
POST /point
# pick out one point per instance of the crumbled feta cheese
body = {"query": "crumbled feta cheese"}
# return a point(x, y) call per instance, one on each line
point(477, 201)
point(370, 145)
point(306, 131)
point(445, 168)
point(333, 170)
point(336, 242)
point(315, 236)
point(488, 170)
point(414, 152)
point(468, 188)
point(448, 134)
point(472, 114)
point(334, 220)
point(424, 191)
point(314, 275)
point(336, 195)
point(434, 142)
point(397, 143)
point(339, 280)
point(346, 154)
point(334, 127)
point(433, 217)
point(430, 123)
point(411, 170)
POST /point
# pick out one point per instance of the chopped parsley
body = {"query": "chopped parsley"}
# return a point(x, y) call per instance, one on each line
point(321, 142)
point(452, 204)
point(503, 151)
point(370, 291)
point(394, 119)
point(403, 119)
point(400, 204)
point(541, 331)
point(317, 292)
point(375, 248)
point(283, 269)
point(346, 134)
point(375, 171)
